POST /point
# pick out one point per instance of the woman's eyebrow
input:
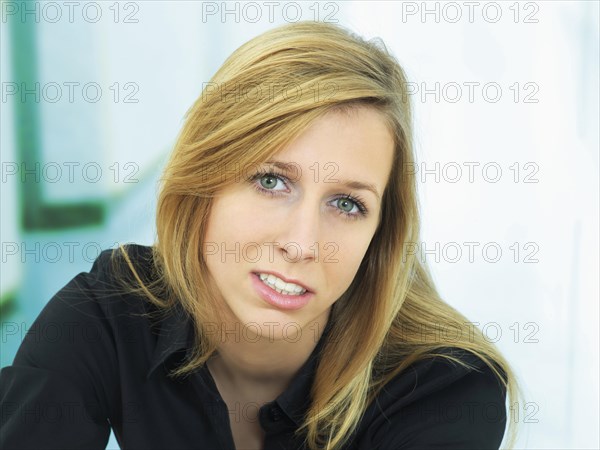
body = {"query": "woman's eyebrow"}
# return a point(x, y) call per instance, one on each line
point(360, 185)
point(353, 184)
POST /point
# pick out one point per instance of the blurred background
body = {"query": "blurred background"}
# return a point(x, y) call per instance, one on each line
point(506, 124)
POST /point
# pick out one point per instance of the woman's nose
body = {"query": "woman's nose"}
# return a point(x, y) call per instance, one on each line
point(300, 237)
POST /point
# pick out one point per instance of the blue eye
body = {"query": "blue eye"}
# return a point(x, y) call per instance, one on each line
point(269, 181)
point(345, 204)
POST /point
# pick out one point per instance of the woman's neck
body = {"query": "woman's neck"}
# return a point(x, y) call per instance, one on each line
point(264, 367)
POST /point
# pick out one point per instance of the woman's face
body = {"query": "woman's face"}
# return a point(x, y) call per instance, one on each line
point(310, 223)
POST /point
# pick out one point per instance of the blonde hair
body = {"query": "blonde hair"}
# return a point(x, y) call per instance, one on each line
point(264, 95)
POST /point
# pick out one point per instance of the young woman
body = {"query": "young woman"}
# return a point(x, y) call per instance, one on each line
point(282, 305)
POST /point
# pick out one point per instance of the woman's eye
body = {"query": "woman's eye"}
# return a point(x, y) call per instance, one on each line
point(269, 181)
point(346, 205)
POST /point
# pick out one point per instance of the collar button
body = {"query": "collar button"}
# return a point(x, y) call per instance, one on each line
point(275, 413)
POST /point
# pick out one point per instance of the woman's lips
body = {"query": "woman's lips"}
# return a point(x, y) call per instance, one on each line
point(287, 280)
point(274, 298)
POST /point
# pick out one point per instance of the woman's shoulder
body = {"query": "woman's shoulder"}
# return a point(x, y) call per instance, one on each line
point(91, 314)
point(441, 369)
point(109, 282)
point(111, 265)
point(76, 352)
point(437, 401)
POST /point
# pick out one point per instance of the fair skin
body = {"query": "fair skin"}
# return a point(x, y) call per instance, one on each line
point(326, 236)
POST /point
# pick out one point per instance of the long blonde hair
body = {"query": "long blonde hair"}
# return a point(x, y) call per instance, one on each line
point(264, 95)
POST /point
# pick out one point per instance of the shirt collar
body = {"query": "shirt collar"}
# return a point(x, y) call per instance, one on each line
point(174, 328)
point(174, 335)
point(295, 400)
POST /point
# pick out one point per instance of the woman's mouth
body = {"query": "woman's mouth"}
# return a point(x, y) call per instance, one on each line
point(278, 293)
point(281, 286)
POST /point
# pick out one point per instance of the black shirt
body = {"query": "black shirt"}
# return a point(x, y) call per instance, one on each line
point(90, 362)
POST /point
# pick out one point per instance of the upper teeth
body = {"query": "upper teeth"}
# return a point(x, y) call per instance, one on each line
point(281, 286)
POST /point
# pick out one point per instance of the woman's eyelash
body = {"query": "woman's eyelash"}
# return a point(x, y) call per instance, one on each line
point(359, 202)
